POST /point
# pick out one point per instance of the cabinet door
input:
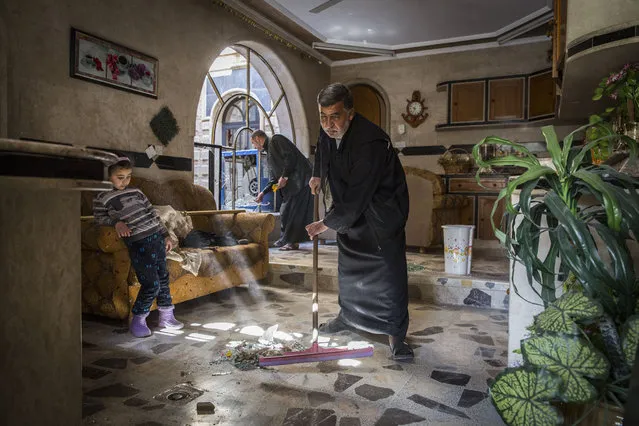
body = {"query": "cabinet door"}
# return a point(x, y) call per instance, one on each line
point(506, 99)
point(541, 95)
point(484, 208)
point(467, 102)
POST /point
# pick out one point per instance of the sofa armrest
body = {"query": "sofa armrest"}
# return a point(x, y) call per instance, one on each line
point(108, 240)
point(103, 238)
point(434, 179)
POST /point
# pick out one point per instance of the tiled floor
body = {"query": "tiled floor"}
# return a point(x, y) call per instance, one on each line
point(160, 380)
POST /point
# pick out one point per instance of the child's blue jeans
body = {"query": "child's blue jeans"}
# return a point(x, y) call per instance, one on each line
point(148, 257)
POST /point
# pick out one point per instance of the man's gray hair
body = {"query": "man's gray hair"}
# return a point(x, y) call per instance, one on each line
point(258, 134)
point(334, 93)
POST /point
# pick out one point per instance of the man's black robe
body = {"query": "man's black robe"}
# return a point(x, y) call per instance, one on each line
point(369, 213)
point(296, 210)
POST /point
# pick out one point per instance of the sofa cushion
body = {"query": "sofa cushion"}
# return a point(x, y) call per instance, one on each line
point(215, 261)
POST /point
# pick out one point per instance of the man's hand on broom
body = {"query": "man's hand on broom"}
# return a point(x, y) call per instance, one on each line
point(316, 228)
point(314, 183)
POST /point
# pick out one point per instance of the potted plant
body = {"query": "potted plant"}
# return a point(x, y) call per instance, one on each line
point(582, 347)
point(623, 88)
point(599, 129)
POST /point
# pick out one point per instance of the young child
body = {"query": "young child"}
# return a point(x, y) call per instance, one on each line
point(138, 224)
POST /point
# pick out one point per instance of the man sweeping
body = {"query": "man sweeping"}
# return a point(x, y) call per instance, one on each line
point(369, 213)
point(290, 171)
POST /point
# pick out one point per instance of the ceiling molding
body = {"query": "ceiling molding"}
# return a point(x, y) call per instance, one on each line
point(537, 15)
point(490, 38)
point(353, 49)
point(240, 7)
point(525, 20)
point(450, 49)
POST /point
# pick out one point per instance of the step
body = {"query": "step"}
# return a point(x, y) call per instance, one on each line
point(424, 284)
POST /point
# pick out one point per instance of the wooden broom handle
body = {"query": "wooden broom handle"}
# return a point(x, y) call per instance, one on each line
point(315, 271)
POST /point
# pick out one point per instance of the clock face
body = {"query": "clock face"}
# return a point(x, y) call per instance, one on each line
point(414, 108)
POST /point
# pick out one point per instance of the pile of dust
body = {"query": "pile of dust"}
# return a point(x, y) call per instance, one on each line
point(246, 355)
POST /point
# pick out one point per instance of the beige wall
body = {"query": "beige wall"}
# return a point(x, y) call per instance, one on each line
point(399, 78)
point(185, 36)
point(3, 75)
point(586, 18)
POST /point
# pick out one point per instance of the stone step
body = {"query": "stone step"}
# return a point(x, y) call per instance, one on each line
point(423, 285)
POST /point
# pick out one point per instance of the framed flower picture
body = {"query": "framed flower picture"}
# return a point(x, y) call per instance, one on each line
point(103, 62)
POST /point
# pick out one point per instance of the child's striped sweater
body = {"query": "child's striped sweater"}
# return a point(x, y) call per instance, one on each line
point(130, 206)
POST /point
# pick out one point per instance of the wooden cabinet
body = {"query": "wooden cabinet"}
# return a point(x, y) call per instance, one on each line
point(484, 209)
point(497, 101)
point(541, 95)
point(483, 196)
point(506, 99)
point(467, 102)
point(470, 185)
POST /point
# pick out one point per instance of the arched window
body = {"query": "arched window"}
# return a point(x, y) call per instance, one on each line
point(238, 81)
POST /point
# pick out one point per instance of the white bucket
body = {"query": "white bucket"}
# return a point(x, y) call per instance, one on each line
point(458, 248)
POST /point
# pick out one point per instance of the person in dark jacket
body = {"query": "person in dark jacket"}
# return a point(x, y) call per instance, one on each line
point(369, 213)
point(290, 171)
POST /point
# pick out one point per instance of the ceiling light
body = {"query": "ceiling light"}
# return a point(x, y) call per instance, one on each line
point(353, 49)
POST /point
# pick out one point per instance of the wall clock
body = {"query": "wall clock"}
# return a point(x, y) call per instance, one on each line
point(415, 110)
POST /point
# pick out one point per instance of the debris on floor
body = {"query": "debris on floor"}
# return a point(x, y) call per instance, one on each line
point(246, 355)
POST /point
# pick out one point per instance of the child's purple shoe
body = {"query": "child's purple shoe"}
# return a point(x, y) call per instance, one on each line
point(167, 320)
point(138, 326)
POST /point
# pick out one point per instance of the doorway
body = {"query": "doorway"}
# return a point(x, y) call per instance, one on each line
point(369, 103)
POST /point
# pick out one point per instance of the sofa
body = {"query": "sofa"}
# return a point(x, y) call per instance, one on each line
point(431, 207)
point(109, 283)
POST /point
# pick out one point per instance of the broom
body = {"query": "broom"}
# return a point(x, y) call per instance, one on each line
point(315, 353)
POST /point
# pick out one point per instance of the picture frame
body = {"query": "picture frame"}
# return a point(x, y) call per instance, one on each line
point(101, 61)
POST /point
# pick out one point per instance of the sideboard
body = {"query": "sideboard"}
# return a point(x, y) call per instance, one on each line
point(483, 197)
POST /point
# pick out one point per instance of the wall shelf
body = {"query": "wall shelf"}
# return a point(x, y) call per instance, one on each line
point(538, 122)
point(506, 101)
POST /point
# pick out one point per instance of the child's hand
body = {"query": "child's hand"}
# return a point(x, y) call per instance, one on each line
point(122, 230)
point(168, 244)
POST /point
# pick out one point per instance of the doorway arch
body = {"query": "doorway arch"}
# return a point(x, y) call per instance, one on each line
point(371, 101)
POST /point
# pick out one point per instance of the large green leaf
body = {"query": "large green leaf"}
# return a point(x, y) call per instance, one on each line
point(532, 174)
point(528, 160)
point(560, 316)
point(554, 149)
point(578, 261)
point(520, 396)
point(572, 359)
point(596, 184)
point(578, 232)
point(630, 339)
point(624, 282)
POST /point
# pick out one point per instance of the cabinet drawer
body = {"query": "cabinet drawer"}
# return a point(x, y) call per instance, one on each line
point(471, 185)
